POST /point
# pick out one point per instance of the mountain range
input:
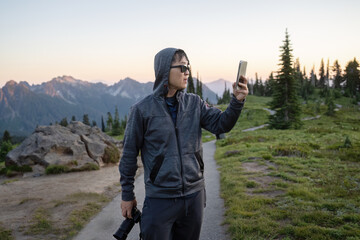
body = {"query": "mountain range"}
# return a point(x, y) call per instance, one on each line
point(24, 106)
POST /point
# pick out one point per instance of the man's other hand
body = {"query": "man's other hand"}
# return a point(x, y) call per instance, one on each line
point(126, 207)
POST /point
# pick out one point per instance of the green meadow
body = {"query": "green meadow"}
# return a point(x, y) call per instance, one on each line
point(292, 184)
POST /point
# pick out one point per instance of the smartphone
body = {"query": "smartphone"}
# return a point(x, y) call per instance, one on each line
point(241, 72)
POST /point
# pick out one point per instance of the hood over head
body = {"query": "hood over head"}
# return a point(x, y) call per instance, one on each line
point(162, 63)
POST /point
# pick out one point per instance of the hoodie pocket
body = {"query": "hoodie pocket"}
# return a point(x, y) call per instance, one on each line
point(200, 161)
point(193, 167)
point(154, 172)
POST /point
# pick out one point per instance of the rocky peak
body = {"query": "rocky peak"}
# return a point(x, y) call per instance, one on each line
point(64, 79)
point(12, 87)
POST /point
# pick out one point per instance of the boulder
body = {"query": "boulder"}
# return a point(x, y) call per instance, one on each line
point(76, 147)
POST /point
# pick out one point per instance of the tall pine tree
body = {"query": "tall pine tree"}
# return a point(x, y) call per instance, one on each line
point(352, 78)
point(285, 96)
point(116, 130)
point(86, 120)
point(313, 78)
point(102, 124)
point(199, 90)
point(337, 71)
point(327, 76)
point(269, 85)
point(190, 85)
point(109, 122)
point(322, 74)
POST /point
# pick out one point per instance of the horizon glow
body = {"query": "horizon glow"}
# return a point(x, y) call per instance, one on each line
point(109, 41)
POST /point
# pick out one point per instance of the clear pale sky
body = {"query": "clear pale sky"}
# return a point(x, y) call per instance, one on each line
point(110, 40)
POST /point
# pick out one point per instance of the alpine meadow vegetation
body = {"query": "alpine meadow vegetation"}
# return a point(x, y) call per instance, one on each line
point(292, 184)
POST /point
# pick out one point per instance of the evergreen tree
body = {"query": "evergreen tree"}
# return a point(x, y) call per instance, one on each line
point(313, 78)
point(6, 137)
point(256, 86)
point(5, 147)
point(330, 105)
point(285, 98)
point(327, 75)
point(308, 87)
point(299, 77)
point(269, 85)
point(109, 122)
point(226, 96)
point(86, 120)
point(190, 85)
point(123, 123)
point(347, 143)
point(251, 86)
point(64, 122)
point(94, 123)
point(261, 88)
point(352, 78)
point(116, 130)
point(337, 78)
point(73, 118)
point(199, 86)
point(201, 89)
point(322, 74)
point(102, 124)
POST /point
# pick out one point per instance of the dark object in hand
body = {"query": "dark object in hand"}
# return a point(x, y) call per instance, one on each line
point(128, 224)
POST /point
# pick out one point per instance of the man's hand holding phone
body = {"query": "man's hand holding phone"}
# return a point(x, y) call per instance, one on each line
point(241, 90)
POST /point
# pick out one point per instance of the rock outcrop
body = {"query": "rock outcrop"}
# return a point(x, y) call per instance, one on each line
point(76, 147)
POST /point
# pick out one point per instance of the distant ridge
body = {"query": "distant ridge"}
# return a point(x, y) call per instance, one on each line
point(24, 106)
point(218, 86)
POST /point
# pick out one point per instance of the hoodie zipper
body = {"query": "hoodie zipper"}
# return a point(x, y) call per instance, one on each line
point(178, 144)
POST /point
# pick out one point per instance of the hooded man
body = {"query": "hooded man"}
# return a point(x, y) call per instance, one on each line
point(166, 128)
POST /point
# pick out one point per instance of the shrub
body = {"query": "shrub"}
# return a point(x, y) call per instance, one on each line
point(267, 156)
point(56, 169)
point(347, 143)
point(12, 171)
point(232, 153)
point(111, 154)
point(251, 184)
point(290, 151)
point(5, 147)
point(88, 167)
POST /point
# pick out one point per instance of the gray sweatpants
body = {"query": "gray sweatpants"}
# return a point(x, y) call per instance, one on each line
point(173, 218)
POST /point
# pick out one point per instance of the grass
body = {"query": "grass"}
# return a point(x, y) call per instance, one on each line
point(5, 234)
point(57, 169)
point(315, 171)
point(43, 222)
point(10, 181)
point(12, 171)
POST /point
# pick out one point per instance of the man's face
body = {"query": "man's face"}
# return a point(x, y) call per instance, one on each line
point(178, 79)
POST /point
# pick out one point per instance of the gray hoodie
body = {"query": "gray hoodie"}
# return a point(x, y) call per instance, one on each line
point(171, 153)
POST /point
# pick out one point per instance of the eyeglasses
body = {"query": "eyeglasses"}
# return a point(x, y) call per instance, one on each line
point(183, 68)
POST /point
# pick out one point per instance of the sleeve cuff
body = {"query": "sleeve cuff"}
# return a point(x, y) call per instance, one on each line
point(127, 196)
point(237, 101)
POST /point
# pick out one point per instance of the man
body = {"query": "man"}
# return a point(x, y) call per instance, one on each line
point(166, 127)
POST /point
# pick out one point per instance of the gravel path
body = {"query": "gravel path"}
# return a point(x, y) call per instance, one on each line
point(106, 223)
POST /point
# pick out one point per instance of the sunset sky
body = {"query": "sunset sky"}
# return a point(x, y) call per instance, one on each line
point(110, 40)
